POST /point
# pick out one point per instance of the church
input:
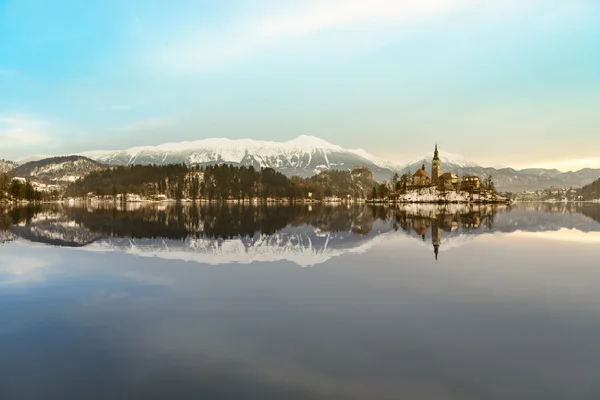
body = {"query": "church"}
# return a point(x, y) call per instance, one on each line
point(422, 178)
point(446, 181)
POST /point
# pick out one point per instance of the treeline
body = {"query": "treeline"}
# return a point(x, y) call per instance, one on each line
point(18, 190)
point(591, 191)
point(216, 182)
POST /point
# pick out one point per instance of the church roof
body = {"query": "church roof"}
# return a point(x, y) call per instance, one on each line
point(421, 172)
point(448, 175)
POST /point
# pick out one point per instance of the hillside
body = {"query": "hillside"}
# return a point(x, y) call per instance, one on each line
point(590, 192)
point(7, 166)
point(216, 182)
point(57, 170)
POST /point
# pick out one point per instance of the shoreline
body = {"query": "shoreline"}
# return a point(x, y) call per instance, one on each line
point(82, 201)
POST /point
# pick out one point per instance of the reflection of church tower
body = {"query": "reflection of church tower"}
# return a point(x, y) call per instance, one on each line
point(436, 237)
point(435, 167)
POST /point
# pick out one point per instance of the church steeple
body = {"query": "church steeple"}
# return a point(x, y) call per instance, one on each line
point(435, 166)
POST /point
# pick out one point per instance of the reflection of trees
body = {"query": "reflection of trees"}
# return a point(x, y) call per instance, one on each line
point(217, 220)
point(223, 221)
point(18, 215)
point(592, 211)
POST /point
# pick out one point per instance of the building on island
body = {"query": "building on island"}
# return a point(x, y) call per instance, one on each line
point(442, 181)
point(362, 171)
point(471, 182)
point(448, 181)
point(421, 178)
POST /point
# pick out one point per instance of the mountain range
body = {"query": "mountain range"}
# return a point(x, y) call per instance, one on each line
point(303, 156)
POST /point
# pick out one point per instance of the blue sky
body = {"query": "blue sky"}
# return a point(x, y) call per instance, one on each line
point(501, 82)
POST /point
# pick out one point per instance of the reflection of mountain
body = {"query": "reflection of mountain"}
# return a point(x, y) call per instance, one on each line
point(55, 229)
point(305, 235)
point(217, 234)
point(303, 245)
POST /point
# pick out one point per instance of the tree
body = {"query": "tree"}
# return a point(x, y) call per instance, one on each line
point(488, 183)
point(383, 190)
point(15, 189)
point(395, 181)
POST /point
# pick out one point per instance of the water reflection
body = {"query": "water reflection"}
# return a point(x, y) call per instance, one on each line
point(507, 317)
point(306, 235)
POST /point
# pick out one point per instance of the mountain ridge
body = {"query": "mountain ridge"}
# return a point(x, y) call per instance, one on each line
point(61, 169)
point(309, 155)
point(303, 156)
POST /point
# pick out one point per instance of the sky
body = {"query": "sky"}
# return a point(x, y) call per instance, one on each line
point(502, 82)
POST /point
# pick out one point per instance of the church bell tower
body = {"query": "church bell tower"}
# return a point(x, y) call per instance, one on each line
point(435, 167)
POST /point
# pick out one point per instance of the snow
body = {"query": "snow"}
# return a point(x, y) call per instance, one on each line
point(447, 158)
point(296, 153)
point(230, 149)
point(296, 247)
point(376, 160)
point(304, 152)
point(433, 195)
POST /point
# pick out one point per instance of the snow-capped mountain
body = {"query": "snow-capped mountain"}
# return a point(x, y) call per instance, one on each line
point(304, 156)
point(451, 159)
point(7, 166)
point(57, 169)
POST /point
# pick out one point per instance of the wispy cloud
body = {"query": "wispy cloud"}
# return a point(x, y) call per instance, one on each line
point(191, 48)
point(18, 131)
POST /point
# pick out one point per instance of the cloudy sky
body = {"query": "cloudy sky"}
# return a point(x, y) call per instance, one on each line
point(503, 82)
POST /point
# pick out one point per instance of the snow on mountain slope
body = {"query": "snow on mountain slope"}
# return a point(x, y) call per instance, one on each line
point(376, 160)
point(309, 155)
point(57, 169)
point(304, 156)
point(6, 166)
point(304, 249)
point(457, 160)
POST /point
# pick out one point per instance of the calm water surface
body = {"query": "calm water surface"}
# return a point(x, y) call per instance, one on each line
point(307, 302)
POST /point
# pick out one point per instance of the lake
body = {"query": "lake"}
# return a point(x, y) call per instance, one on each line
point(300, 302)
